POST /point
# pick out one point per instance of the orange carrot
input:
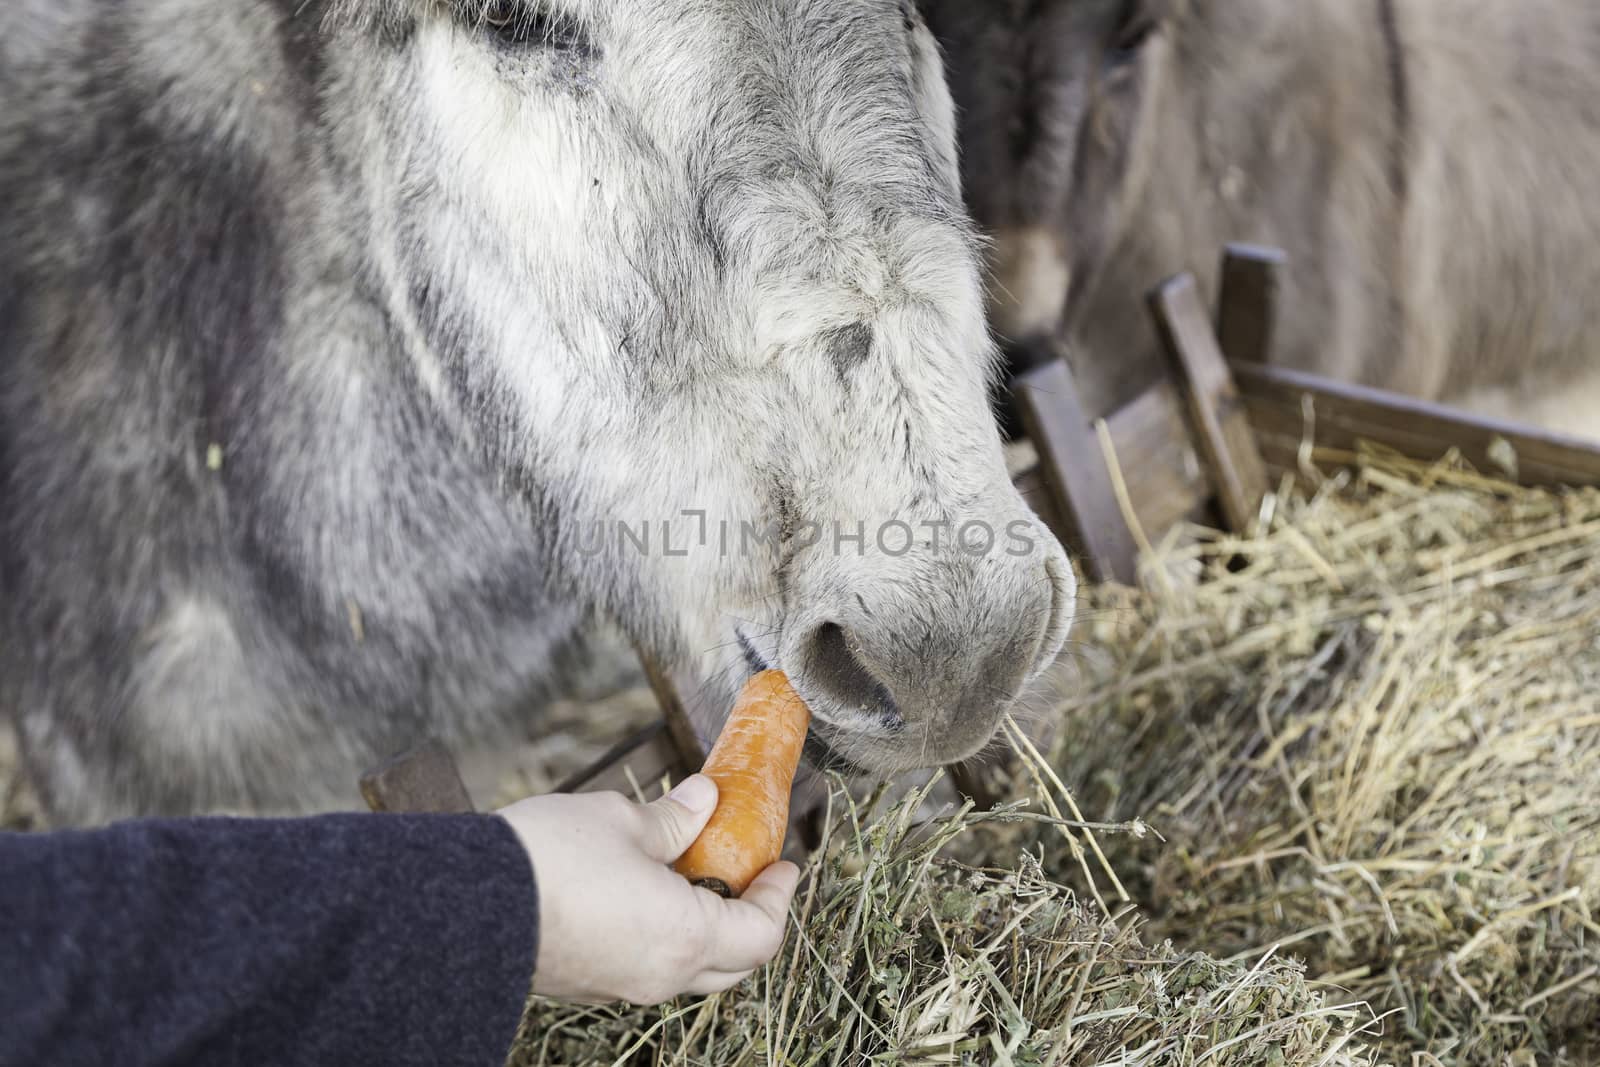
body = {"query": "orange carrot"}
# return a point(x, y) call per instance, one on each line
point(753, 764)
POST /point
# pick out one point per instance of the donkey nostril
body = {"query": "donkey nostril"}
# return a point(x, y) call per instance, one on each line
point(837, 673)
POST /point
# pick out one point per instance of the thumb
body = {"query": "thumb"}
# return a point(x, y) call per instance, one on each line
point(672, 823)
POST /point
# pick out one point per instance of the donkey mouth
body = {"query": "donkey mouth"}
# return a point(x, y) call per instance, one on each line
point(819, 751)
point(820, 754)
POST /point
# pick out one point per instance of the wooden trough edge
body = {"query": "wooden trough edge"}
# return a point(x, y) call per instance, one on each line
point(1289, 406)
point(1207, 443)
point(1170, 480)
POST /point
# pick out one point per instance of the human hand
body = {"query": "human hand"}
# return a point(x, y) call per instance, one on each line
point(617, 923)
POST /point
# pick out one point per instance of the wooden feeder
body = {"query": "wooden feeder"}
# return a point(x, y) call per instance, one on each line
point(1210, 441)
point(1206, 443)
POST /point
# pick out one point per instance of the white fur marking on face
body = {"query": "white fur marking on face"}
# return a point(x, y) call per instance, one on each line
point(551, 230)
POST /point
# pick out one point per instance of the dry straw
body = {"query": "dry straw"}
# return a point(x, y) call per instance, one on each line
point(902, 955)
point(1371, 740)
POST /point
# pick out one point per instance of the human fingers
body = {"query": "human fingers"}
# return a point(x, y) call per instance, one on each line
point(671, 824)
point(746, 933)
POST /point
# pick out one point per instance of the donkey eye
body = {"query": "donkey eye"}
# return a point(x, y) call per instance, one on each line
point(520, 24)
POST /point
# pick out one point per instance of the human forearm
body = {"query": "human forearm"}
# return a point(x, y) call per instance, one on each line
point(346, 939)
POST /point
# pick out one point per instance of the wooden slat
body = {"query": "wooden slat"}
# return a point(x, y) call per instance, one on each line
point(1247, 308)
point(1166, 480)
point(421, 781)
point(1070, 462)
point(670, 748)
point(1226, 439)
point(1348, 414)
point(675, 710)
point(649, 754)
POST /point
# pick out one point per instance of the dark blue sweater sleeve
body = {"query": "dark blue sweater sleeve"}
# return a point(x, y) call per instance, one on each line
point(346, 940)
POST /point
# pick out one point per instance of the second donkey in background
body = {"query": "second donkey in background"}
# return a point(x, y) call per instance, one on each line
point(1426, 164)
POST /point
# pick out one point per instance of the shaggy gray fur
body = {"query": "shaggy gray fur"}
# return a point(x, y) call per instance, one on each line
point(329, 331)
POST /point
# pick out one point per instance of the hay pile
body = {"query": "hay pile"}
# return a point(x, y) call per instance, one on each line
point(1371, 740)
point(903, 956)
point(1369, 744)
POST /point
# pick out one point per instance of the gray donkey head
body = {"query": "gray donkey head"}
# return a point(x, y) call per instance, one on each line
point(500, 308)
point(715, 261)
